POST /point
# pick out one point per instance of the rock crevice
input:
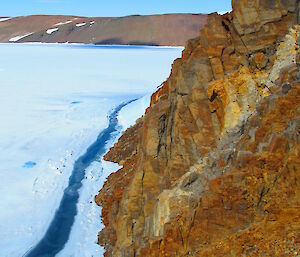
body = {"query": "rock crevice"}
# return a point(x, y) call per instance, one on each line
point(212, 169)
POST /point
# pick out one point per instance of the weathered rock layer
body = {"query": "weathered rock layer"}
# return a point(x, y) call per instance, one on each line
point(213, 167)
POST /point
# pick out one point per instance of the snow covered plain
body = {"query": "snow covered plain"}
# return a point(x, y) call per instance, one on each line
point(54, 101)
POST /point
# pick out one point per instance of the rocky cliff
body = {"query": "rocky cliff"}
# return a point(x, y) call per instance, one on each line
point(167, 30)
point(213, 167)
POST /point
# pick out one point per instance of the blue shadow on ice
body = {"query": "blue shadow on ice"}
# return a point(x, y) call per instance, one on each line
point(29, 164)
point(75, 102)
point(107, 47)
point(59, 230)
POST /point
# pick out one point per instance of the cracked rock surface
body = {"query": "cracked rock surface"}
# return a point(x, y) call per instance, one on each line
point(213, 167)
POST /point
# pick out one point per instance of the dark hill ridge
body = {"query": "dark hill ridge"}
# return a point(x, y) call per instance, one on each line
point(162, 30)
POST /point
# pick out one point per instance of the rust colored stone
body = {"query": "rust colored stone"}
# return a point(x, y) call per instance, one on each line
point(214, 166)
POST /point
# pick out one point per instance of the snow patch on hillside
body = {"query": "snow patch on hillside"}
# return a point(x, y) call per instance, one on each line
point(63, 23)
point(17, 38)
point(50, 31)
point(224, 12)
point(80, 24)
point(5, 19)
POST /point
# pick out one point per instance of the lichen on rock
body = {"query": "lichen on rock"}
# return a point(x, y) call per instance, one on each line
point(213, 168)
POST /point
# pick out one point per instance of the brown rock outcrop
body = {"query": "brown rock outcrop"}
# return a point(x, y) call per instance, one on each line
point(214, 166)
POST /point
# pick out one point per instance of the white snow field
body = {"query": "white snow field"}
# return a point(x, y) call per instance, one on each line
point(54, 101)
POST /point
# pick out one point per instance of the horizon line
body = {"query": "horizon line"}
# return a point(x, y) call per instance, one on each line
point(129, 15)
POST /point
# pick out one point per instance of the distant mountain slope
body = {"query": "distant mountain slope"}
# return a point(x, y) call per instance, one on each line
point(169, 29)
point(20, 26)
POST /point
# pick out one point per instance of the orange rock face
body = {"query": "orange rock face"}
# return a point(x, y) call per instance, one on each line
point(213, 167)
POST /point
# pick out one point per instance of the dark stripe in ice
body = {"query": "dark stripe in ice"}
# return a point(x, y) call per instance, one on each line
point(76, 102)
point(29, 164)
point(59, 230)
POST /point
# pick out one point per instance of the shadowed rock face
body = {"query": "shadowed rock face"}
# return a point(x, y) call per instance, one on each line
point(213, 168)
point(171, 29)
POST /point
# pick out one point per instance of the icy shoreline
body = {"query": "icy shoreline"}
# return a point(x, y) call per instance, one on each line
point(59, 230)
point(53, 103)
point(83, 237)
point(68, 44)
